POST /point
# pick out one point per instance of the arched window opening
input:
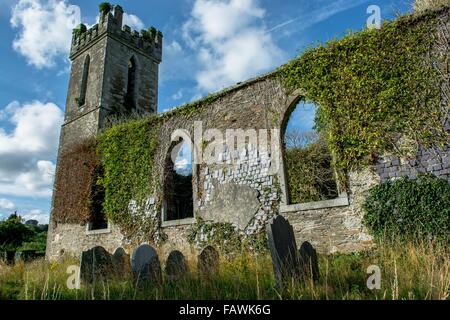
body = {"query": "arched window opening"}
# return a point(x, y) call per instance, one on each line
point(131, 85)
point(84, 82)
point(308, 162)
point(98, 219)
point(178, 198)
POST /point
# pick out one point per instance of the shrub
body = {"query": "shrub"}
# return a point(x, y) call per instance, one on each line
point(78, 31)
point(105, 7)
point(309, 173)
point(410, 208)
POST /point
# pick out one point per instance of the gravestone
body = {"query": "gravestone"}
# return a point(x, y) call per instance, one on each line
point(121, 262)
point(283, 249)
point(309, 264)
point(18, 256)
point(176, 264)
point(145, 264)
point(96, 265)
point(208, 261)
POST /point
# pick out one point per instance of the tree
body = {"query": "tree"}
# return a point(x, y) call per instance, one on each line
point(13, 232)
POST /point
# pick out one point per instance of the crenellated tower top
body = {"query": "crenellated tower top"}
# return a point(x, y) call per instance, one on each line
point(149, 42)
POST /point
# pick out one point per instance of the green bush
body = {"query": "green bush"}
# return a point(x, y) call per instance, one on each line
point(105, 7)
point(78, 31)
point(409, 208)
point(309, 173)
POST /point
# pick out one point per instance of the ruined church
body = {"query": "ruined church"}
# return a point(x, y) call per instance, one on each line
point(115, 73)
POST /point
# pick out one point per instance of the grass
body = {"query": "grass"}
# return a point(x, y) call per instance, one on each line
point(408, 271)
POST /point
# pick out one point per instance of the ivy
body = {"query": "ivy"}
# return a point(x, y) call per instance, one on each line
point(373, 87)
point(127, 151)
point(407, 208)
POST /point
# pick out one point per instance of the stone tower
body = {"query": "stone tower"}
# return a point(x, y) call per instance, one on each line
point(114, 73)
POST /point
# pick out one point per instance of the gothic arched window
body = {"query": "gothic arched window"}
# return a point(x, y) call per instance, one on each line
point(178, 191)
point(308, 162)
point(84, 81)
point(131, 85)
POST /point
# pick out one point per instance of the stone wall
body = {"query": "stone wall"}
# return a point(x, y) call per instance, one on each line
point(337, 229)
point(72, 239)
point(433, 161)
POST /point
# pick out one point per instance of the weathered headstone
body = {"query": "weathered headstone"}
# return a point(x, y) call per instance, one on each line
point(176, 265)
point(145, 264)
point(309, 264)
point(18, 256)
point(208, 261)
point(283, 249)
point(121, 262)
point(96, 265)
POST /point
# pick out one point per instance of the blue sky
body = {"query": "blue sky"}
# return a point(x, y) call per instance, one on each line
point(208, 45)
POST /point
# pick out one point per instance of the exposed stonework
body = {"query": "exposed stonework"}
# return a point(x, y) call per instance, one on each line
point(434, 161)
point(337, 229)
point(233, 204)
point(72, 239)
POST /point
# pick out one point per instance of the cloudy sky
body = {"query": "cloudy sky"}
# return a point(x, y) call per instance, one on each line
point(208, 44)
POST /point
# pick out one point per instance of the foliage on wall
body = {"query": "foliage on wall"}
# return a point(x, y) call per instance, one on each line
point(76, 168)
point(79, 30)
point(224, 237)
point(409, 208)
point(374, 87)
point(127, 151)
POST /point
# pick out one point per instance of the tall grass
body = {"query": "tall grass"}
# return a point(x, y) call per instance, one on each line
point(421, 5)
point(409, 271)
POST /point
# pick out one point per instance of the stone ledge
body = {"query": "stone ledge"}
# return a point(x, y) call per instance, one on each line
point(175, 223)
point(98, 231)
point(338, 202)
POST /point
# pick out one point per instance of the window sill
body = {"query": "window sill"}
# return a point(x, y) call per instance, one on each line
point(98, 231)
point(175, 223)
point(338, 202)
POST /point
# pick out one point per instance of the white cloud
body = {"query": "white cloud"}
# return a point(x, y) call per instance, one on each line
point(133, 22)
point(318, 11)
point(45, 29)
point(6, 204)
point(182, 164)
point(28, 151)
point(231, 40)
point(178, 95)
point(36, 214)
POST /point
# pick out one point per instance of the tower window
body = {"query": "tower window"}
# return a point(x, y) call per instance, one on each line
point(84, 81)
point(131, 85)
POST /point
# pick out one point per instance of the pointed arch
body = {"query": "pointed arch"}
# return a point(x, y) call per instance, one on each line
point(308, 172)
point(178, 182)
